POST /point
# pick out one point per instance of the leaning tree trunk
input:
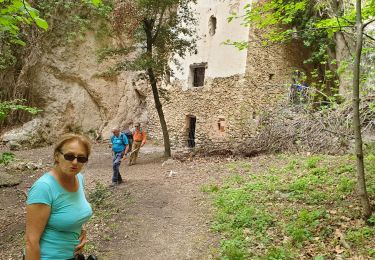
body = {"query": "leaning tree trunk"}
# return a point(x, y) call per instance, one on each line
point(148, 25)
point(362, 192)
point(159, 108)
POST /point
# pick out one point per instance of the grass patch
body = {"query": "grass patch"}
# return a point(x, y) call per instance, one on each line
point(286, 207)
point(6, 158)
point(99, 197)
point(209, 188)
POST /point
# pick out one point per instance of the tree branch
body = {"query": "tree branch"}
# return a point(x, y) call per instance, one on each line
point(368, 36)
point(365, 24)
point(343, 36)
point(159, 25)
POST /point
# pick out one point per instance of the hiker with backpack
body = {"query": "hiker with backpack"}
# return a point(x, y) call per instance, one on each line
point(139, 140)
point(120, 147)
point(129, 135)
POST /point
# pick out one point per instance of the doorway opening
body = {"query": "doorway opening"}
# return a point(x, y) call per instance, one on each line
point(191, 123)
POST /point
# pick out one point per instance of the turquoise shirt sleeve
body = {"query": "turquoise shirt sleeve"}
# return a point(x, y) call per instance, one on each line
point(40, 192)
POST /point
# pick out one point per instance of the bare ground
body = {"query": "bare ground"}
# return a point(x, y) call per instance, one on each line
point(158, 213)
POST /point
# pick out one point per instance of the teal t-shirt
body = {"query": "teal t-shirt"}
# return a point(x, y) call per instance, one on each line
point(69, 211)
point(119, 143)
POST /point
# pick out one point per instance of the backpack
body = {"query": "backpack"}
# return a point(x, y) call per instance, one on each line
point(134, 129)
point(129, 135)
point(121, 137)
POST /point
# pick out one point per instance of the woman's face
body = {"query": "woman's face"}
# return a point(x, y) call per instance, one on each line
point(71, 150)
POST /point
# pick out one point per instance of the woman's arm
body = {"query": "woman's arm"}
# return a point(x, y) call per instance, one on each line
point(36, 220)
point(143, 138)
point(82, 242)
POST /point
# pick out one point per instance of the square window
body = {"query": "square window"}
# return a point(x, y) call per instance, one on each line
point(198, 76)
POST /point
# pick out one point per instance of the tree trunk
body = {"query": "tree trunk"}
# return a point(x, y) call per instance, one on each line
point(159, 108)
point(362, 192)
point(148, 26)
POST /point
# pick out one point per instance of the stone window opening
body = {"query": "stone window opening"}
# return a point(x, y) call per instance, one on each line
point(212, 25)
point(221, 125)
point(254, 115)
point(197, 74)
point(270, 76)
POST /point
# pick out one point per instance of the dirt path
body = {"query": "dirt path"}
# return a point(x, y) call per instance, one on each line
point(158, 213)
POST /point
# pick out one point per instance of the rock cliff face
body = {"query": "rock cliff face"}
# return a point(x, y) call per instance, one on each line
point(76, 97)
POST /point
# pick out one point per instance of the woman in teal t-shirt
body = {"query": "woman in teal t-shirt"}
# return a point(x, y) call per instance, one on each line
point(56, 204)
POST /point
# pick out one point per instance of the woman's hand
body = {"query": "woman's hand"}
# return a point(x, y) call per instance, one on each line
point(82, 242)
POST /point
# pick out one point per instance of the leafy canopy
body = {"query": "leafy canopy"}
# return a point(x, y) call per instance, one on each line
point(288, 18)
point(157, 31)
point(14, 13)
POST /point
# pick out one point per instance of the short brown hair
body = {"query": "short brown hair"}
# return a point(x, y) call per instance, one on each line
point(73, 137)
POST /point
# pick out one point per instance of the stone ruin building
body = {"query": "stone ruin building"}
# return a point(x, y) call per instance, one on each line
point(218, 97)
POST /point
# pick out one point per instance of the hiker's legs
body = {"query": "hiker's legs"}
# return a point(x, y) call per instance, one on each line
point(134, 155)
point(130, 146)
point(116, 161)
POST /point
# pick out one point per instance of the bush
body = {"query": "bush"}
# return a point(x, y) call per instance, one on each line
point(6, 158)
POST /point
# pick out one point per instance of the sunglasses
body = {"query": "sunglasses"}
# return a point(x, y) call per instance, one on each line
point(70, 157)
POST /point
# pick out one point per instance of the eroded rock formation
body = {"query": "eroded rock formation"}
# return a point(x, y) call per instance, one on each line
point(75, 96)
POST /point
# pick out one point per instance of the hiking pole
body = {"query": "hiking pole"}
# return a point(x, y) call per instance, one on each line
point(129, 154)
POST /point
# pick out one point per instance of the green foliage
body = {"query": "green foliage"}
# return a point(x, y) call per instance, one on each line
point(75, 18)
point(292, 165)
point(372, 219)
point(15, 13)
point(6, 158)
point(19, 17)
point(8, 106)
point(346, 185)
point(275, 211)
point(346, 168)
point(158, 30)
point(360, 235)
point(279, 253)
point(209, 188)
point(234, 248)
point(303, 227)
point(313, 23)
point(312, 162)
point(99, 196)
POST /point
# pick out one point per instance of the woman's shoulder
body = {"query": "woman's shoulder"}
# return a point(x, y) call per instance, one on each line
point(42, 190)
point(46, 181)
point(46, 178)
